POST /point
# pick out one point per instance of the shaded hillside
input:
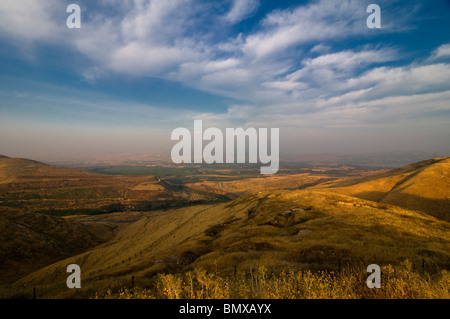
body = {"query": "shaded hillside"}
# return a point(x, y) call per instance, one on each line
point(423, 186)
point(30, 241)
point(285, 229)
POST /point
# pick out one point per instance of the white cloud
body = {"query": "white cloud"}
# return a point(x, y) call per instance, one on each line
point(241, 9)
point(381, 97)
point(138, 59)
point(28, 20)
point(320, 20)
point(173, 40)
point(168, 39)
point(286, 85)
point(441, 52)
point(321, 48)
point(282, 80)
point(349, 60)
point(403, 80)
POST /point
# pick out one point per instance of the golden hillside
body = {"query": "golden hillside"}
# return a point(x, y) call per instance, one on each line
point(299, 229)
point(58, 191)
point(423, 186)
point(253, 185)
point(348, 223)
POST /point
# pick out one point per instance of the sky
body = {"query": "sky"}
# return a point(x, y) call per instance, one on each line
point(136, 70)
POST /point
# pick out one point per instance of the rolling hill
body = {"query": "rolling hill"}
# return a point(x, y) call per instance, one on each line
point(249, 186)
point(383, 219)
point(18, 169)
point(280, 230)
point(423, 186)
point(30, 241)
point(59, 191)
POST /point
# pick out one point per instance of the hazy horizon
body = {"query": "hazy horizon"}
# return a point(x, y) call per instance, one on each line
point(380, 160)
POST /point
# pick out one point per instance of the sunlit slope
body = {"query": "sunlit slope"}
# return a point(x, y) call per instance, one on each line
point(292, 229)
point(12, 169)
point(29, 241)
point(36, 187)
point(253, 185)
point(423, 186)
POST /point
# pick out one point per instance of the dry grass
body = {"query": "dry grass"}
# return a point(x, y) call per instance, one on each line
point(397, 283)
point(422, 186)
point(305, 230)
point(288, 236)
point(259, 184)
point(30, 241)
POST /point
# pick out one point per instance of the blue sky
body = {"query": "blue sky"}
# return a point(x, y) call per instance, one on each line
point(136, 70)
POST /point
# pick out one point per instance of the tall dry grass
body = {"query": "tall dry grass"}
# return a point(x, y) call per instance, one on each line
point(399, 282)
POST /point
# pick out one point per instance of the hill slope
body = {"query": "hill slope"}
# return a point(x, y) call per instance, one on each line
point(423, 186)
point(29, 241)
point(12, 169)
point(284, 229)
point(316, 228)
point(59, 191)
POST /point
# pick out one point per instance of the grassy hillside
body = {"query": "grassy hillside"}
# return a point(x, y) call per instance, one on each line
point(423, 186)
point(331, 225)
point(281, 230)
point(12, 169)
point(258, 184)
point(36, 187)
point(29, 241)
